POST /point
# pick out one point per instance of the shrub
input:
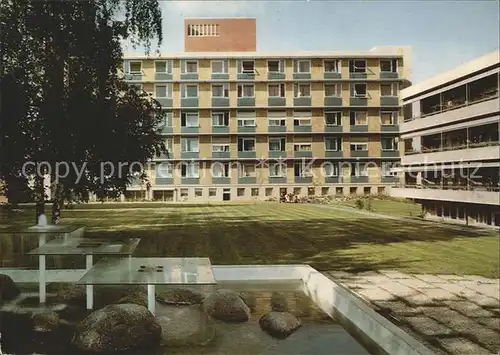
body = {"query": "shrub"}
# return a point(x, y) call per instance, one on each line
point(359, 203)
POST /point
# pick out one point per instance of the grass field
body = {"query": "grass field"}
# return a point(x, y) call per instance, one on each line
point(270, 233)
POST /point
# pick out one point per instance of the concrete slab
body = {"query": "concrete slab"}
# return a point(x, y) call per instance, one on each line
point(430, 278)
point(481, 279)
point(395, 274)
point(375, 294)
point(337, 274)
point(415, 283)
point(420, 299)
point(398, 289)
point(485, 301)
point(469, 309)
point(462, 346)
point(452, 319)
point(399, 308)
point(451, 277)
point(490, 290)
point(457, 289)
point(439, 294)
point(492, 323)
point(427, 326)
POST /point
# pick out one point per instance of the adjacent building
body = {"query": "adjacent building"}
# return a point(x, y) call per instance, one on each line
point(450, 135)
point(245, 125)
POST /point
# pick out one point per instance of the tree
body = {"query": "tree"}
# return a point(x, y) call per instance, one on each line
point(62, 98)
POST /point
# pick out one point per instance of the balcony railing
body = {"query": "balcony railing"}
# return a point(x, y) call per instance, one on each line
point(453, 147)
point(490, 187)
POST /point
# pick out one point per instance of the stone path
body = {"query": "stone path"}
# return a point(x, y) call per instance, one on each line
point(450, 314)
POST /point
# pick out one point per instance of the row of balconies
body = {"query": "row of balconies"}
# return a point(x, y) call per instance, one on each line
point(260, 69)
point(277, 180)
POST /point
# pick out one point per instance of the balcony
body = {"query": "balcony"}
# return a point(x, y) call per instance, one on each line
point(277, 154)
point(358, 75)
point(302, 129)
point(133, 77)
point(220, 102)
point(472, 153)
point(333, 129)
point(438, 194)
point(333, 179)
point(275, 76)
point(190, 155)
point(164, 102)
point(389, 153)
point(221, 180)
point(276, 129)
point(163, 76)
point(190, 180)
point(246, 101)
point(220, 76)
point(276, 101)
point(246, 154)
point(303, 179)
point(247, 180)
point(359, 153)
point(332, 75)
point(333, 101)
point(389, 179)
point(388, 75)
point(189, 102)
point(359, 128)
point(302, 101)
point(164, 181)
point(389, 101)
point(190, 130)
point(301, 76)
point(462, 113)
point(189, 76)
point(220, 129)
point(246, 76)
point(334, 154)
point(167, 129)
point(246, 129)
point(358, 101)
point(221, 155)
point(277, 180)
point(389, 128)
point(302, 154)
point(359, 179)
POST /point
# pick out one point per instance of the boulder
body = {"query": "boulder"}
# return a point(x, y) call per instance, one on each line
point(8, 289)
point(103, 295)
point(73, 296)
point(279, 302)
point(139, 298)
point(117, 328)
point(45, 322)
point(279, 324)
point(227, 306)
point(249, 299)
point(179, 296)
point(184, 326)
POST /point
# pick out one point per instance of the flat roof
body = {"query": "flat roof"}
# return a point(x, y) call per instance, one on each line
point(467, 69)
point(375, 52)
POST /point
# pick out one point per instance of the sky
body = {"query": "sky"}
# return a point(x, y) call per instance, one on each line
point(442, 34)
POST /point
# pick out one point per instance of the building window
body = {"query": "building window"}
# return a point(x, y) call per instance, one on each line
point(220, 90)
point(240, 191)
point(277, 144)
point(388, 118)
point(297, 190)
point(358, 90)
point(389, 89)
point(190, 119)
point(190, 66)
point(332, 90)
point(189, 90)
point(302, 118)
point(302, 66)
point(169, 144)
point(246, 118)
point(184, 192)
point(269, 191)
point(277, 118)
point(190, 145)
point(220, 119)
point(387, 170)
point(325, 191)
point(246, 90)
point(163, 67)
point(333, 118)
point(388, 143)
point(246, 170)
point(190, 170)
point(357, 66)
point(220, 147)
point(277, 170)
point(167, 120)
point(275, 66)
point(135, 67)
point(358, 118)
point(246, 144)
point(255, 192)
point(339, 191)
point(302, 90)
point(331, 169)
point(311, 191)
point(203, 30)
point(220, 170)
point(332, 66)
point(198, 192)
point(359, 169)
point(247, 67)
point(301, 170)
point(163, 91)
point(219, 66)
point(164, 170)
point(389, 65)
point(276, 90)
point(212, 192)
point(357, 147)
point(333, 144)
point(302, 147)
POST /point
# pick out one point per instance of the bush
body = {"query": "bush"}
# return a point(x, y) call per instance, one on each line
point(359, 203)
point(369, 204)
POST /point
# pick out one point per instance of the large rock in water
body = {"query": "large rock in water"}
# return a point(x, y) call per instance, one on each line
point(279, 324)
point(179, 296)
point(8, 289)
point(227, 306)
point(183, 326)
point(139, 298)
point(117, 328)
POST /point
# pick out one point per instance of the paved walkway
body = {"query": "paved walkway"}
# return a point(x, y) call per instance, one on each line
point(451, 314)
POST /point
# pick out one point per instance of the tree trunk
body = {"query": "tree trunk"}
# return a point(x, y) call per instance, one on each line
point(57, 204)
point(39, 197)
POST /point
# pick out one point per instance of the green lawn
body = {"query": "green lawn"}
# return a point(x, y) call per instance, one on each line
point(270, 233)
point(392, 207)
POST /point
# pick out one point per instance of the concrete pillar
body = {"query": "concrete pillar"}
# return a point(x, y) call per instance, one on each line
point(122, 198)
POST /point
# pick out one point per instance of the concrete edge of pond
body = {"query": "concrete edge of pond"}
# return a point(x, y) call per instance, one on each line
point(333, 299)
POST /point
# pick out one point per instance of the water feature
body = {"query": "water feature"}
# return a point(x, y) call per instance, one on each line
point(43, 225)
